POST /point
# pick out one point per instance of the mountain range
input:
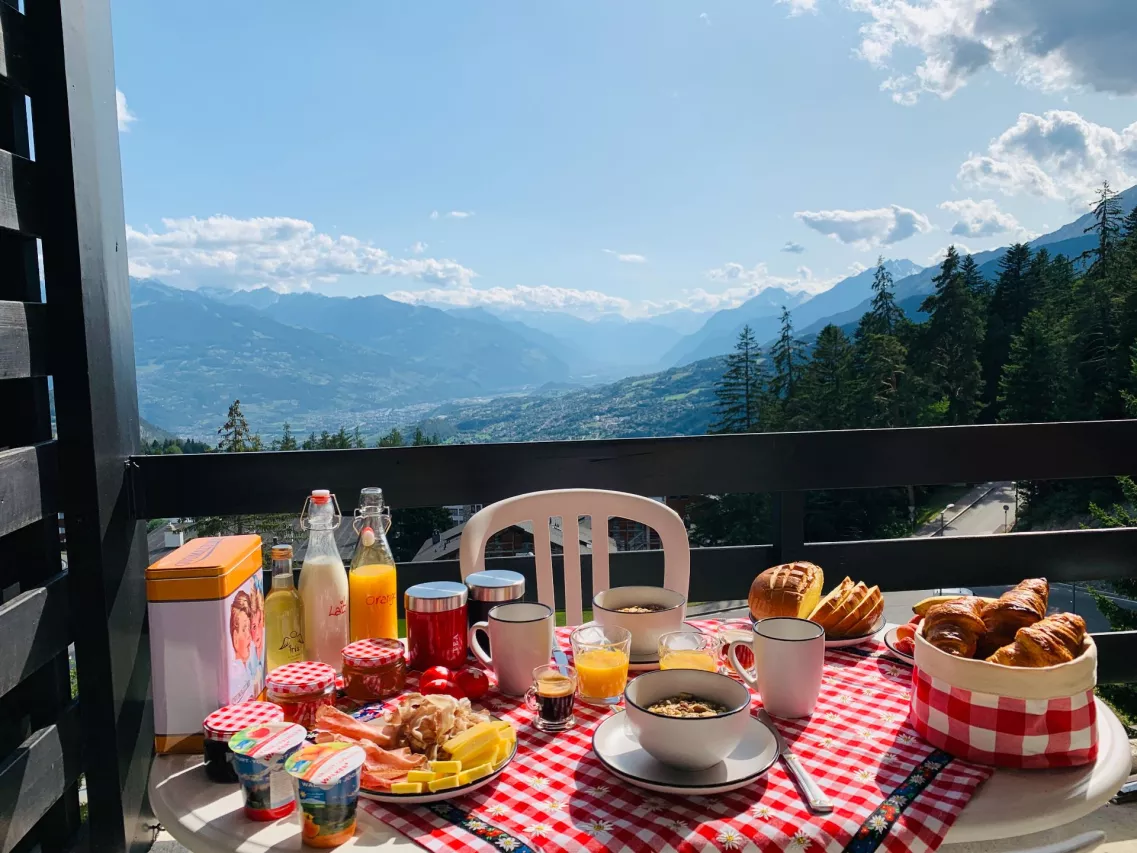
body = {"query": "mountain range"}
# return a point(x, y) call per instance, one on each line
point(319, 362)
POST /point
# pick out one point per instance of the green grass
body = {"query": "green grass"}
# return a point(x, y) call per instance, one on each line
point(939, 498)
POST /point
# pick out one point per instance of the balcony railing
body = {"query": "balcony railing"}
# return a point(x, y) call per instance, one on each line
point(785, 464)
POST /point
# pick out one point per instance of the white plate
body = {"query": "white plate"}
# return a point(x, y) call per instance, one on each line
point(372, 712)
point(890, 641)
point(856, 641)
point(623, 757)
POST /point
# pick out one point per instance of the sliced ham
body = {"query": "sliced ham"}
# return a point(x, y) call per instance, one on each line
point(332, 720)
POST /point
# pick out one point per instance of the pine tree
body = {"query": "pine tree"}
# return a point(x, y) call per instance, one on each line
point(1033, 380)
point(1010, 302)
point(952, 340)
point(287, 439)
point(827, 382)
point(881, 376)
point(738, 392)
point(884, 316)
point(787, 357)
point(392, 439)
point(974, 279)
point(235, 435)
point(1107, 226)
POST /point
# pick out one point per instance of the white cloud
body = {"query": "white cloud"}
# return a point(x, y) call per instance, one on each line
point(460, 214)
point(982, 219)
point(705, 18)
point(125, 117)
point(418, 247)
point(865, 229)
point(746, 283)
point(793, 248)
point(937, 257)
point(1050, 45)
point(1058, 154)
point(434, 214)
point(277, 251)
point(798, 7)
point(626, 258)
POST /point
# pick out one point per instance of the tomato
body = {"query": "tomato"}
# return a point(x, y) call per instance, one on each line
point(438, 672)
point(906, 632)
point(441, 685)
point(915, 620)
point(907, 647)
point(473, 682)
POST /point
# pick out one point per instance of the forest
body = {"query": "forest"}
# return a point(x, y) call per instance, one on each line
point(1052, 338)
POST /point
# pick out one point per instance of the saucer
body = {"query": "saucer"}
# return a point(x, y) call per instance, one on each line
point(622, 756)
point(890, 641)
point(860, 638)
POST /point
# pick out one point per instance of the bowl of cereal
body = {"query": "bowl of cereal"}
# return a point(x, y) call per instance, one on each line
point(648, 612)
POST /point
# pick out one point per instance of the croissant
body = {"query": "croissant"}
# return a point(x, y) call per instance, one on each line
point(1055, 639)
point(955, 626)
point(1016, 608)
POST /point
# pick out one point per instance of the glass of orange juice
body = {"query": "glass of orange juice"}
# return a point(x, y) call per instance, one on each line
point(689, 650)
point(600, 655)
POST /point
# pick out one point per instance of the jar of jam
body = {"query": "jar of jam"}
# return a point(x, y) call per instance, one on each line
point(490, 588)
point(373, 669)
point(436, 624)
point(300, 689)
point(222, 725)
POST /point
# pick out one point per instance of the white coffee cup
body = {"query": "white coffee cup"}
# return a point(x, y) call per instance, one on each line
point(521, 637)
point(789, 658)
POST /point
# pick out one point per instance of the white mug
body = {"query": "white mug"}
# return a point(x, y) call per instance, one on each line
point(789, 657)
point(521, 637)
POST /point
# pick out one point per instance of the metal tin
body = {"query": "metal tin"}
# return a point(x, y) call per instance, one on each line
point(435, 597)
point(496, 585)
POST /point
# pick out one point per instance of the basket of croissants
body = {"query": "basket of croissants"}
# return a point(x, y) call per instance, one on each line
point(998, 681)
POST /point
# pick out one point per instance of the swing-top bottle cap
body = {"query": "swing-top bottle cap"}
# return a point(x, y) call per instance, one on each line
point(321, 496)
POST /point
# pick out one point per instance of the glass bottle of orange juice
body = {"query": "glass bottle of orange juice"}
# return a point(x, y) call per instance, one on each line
point(371, 581)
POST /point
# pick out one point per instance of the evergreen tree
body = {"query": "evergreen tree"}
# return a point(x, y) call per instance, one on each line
point(882, 382)
point(787, 356)
point(287, 439)
point(952, 340)
point(1107, 227)
point(827, 382)
point(1033, 380)
point(357, 438)
point(392, 439)
point(974, 279)
point(884, 316)
point(1010, 302)
point(738, 392)
point(235, 435)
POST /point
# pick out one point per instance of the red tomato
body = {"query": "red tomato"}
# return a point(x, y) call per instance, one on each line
point(906, 632)
point(907, 647)
point(441, 685)
point(434, 672)
point(472, 682)
point(915, 620)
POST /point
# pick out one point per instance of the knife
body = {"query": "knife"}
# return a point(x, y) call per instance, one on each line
point(562, 661)
point(813, 796)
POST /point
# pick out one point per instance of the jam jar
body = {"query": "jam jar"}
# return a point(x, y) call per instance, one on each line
point(222, 725)
point(490, 588)
point(373, 669)
point(300, 689)
point(436, 624)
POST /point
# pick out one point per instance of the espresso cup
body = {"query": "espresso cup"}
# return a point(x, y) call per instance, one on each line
point(552, 697)
point(521, 636)
point(789, 658)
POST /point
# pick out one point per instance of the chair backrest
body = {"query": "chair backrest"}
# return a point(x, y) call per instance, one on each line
point(570, 505)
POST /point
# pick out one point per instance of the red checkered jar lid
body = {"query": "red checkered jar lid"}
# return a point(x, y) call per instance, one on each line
point(227, 721)
point(296, 679)
point(372, 653)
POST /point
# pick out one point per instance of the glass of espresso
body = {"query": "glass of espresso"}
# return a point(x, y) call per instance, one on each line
point(552, 696)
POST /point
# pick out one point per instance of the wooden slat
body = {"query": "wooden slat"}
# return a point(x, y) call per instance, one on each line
point(33, 629)
point(27, 485)
point(37, 775)
point(23, 340)
point(14, 65)
point(18, 198)
point(231, 484)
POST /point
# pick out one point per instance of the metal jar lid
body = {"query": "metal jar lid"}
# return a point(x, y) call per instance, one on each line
point(434, 597)
point(496, 585)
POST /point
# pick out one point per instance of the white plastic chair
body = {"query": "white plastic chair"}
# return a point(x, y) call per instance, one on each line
point(570, 504)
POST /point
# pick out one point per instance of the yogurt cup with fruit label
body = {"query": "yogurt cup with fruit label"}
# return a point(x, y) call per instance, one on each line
point(326, 779)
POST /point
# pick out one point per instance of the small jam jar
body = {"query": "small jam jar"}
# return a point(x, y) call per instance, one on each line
point(373, 670)
point(222, 725)
point(436, 624)
point(300, 689)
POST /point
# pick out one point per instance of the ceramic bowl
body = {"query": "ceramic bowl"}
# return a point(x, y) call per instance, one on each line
point(688, 743)
point(646, 628)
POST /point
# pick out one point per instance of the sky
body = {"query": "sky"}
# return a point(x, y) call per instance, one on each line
point(607, 157)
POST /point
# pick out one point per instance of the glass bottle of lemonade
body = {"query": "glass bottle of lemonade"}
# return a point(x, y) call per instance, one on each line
point(373, 599)
point(284, 613)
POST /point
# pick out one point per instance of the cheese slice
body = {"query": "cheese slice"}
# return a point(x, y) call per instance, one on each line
point(505, 728)
point(503, 750)
point(406, 787)
point(458, 741)
point(473, 773)
point(446, 768)
point(483, 756)
point(423, 776)
point(443, 783)
point(474, 745)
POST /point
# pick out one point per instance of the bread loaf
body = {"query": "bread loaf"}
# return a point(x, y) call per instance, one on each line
point(792, 589)
point(849, 610)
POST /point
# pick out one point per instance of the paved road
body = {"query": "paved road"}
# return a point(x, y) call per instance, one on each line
point(983, 516)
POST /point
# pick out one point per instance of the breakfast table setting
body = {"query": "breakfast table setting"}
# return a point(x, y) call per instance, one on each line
point(808, 724)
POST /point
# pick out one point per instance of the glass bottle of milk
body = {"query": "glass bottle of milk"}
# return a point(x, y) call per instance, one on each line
point(323, 582)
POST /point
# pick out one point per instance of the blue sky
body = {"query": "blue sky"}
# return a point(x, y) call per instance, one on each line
point(606, 156)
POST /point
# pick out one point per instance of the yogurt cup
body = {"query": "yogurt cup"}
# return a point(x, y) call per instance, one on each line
point(259, 756)
point(326, 778)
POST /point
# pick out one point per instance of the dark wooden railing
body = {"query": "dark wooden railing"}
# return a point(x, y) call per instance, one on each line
point(785, 464)
point(60, 184)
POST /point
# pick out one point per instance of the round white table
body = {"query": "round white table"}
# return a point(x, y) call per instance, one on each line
point(207, 818)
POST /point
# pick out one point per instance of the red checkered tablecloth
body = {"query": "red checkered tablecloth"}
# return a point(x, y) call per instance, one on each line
point(891, 790)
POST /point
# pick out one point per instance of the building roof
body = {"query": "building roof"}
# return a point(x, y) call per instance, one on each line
point(447, 546)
